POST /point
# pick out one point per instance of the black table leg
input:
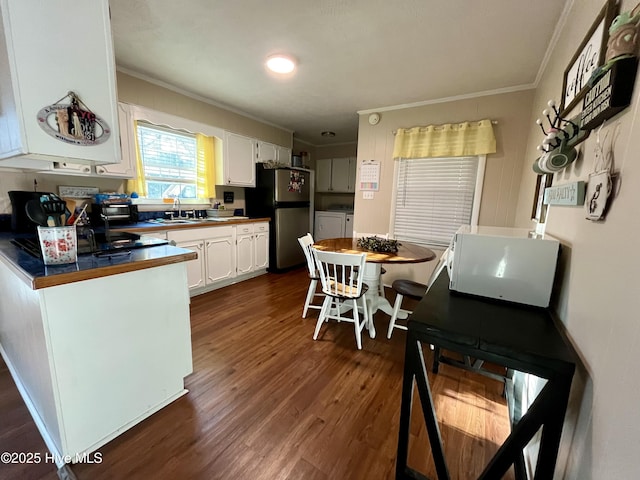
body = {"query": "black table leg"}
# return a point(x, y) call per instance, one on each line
point(415, 367)
point(550, 441)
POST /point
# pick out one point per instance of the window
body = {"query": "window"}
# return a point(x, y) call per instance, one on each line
point(169, 158)
point(434, 196)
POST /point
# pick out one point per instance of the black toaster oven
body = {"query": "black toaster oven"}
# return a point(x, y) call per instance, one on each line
point(115, 213)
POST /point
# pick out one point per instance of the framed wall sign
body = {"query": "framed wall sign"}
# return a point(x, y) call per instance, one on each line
point(589, 56)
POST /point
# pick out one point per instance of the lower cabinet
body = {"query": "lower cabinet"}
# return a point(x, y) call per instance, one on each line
point(220, 254)
point(261, 245)
point(226, 254)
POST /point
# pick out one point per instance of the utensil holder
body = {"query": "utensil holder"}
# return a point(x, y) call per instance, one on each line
point(59, 245)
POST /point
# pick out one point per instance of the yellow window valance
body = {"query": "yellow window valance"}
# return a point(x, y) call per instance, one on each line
point(448, 140)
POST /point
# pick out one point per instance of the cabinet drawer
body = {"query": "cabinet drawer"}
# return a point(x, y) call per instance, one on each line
point(260, 227)
point(188, 234)
point(244, 229)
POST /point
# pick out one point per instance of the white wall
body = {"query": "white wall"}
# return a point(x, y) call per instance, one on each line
point(599, 294)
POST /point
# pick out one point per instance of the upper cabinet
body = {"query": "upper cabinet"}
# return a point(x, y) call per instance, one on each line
point(270, 152)
point(126, 168)
point(48, 49)
point(336, 175)
point(238, 161)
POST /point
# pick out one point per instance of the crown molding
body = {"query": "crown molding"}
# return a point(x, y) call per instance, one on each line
point(197, 97)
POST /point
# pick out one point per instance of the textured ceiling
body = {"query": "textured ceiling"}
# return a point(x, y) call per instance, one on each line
point(353, 54)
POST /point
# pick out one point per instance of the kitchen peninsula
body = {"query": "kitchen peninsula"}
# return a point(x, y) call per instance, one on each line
point(97, 346)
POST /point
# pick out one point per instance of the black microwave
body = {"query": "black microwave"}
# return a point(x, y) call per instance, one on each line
point(115, 213)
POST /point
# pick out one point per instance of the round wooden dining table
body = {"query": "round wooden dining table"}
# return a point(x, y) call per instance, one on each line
point(407, 253)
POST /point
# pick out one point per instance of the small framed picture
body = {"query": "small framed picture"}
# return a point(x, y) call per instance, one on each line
point(539, 210)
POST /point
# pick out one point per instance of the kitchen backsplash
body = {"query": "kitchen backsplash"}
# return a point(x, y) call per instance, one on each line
point(48, 183)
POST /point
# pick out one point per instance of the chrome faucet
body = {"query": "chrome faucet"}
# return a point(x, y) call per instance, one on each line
point(176, 203)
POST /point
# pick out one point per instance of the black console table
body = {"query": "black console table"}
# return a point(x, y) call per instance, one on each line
point(516, 337)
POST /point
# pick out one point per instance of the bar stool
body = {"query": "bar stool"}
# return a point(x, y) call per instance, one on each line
point(414, 290)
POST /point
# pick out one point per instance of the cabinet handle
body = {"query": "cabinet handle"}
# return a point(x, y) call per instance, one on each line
point(100, 170)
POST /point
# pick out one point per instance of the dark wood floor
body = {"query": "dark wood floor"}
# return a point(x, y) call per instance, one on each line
point(267, 402)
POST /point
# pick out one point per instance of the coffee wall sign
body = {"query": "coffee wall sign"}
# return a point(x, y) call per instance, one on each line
point(73, 122)
point(610, 94)
point(589, 56)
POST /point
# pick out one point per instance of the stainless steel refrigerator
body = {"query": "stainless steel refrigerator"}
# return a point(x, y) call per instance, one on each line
point(283, 194)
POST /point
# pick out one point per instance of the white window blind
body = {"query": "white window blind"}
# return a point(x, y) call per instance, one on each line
point(434, 196)
point(169, 158)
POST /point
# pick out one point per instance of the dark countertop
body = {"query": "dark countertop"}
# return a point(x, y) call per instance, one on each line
point(142, 227)
point(33, 271)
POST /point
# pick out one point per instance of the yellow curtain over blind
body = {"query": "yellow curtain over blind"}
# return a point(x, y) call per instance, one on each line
point(448, 140)
point(138, 184)
point(205, 171)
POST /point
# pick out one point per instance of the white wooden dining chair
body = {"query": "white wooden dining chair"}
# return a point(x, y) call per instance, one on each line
point(414, 290)
point(382, 269)
point(306, 243)
point(341, 277)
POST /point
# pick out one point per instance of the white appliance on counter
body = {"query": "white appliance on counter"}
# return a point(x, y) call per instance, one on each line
point(512, 264)
point(330, 224)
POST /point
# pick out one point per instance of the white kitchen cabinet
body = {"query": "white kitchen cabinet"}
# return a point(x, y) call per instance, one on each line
point(126, 167)
point(220, 255)
point(252, 241)
point(348, 225)
point(336, 175)
point(196, 267)
point(245, 248)
point(284, 154)
point(39, 69)
point(215, 247)
point(237, 167)
point(270, 152)
point(226, 253)
point(261, 245)
point(329, 225)
point(267, 152)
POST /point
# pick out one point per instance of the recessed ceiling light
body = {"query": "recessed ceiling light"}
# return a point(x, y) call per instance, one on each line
point(328, 134)
point(281, 64)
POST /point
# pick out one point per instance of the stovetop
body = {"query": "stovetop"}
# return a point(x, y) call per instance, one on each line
point(102, 245)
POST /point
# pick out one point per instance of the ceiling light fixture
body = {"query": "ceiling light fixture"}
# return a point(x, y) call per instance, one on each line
point(281, 64)
point(327, 133)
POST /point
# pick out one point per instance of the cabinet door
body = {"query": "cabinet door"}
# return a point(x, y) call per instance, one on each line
point(284, 154)
point(348, 226)
point(329, 225)
point(267, 152)
point(341, 177)
point(239, 161)
point(75, 55)
point(244, 261)
point(196, 267)
point(323, 175)
point(220, 258)
point(261, 245)
point(127, 166)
